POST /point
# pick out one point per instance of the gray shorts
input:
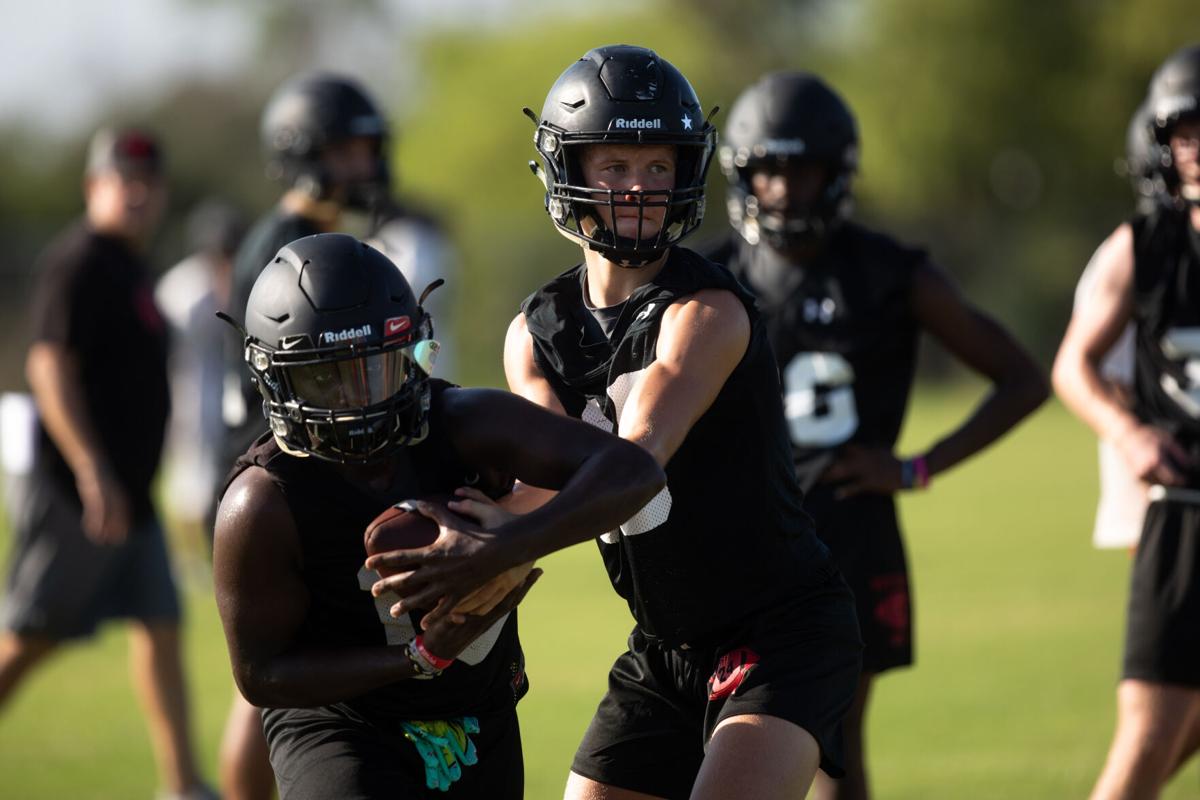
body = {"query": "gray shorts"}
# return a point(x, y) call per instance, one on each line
point(62, 586)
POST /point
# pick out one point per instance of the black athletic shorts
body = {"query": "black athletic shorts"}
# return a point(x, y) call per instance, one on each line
point(1162, 635)
point(332, 752)
point(62, 585)
point(799, 662)
point(863, 535)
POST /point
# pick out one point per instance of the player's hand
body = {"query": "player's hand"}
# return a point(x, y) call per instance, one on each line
point(1153, 455)
point(106, 517)
point(441, 575)
point(474, 504)
point(447, 639)
point(488, 596)
point(859, 469)
point(487, 512)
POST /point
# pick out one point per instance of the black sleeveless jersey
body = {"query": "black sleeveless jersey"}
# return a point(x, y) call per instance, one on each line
point(1167, 313)
point(727, 536)
point(330, 515)
point(844, 333)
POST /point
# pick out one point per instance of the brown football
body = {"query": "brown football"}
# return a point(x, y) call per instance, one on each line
point(399, 527)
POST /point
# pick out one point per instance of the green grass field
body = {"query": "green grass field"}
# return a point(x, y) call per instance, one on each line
point(1018, 620)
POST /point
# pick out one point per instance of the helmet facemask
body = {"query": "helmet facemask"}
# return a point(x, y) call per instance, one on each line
point(798, 224)
point(577, 209)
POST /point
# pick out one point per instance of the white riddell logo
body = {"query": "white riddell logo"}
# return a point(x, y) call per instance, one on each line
point(329, 337)
point(644, 313)
point(621, 122)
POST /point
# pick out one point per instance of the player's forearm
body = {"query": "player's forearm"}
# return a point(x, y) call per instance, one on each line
point(317, 677)
point(53, 376)
point(1007, 404)
point(1078, 384)
point(607, 489)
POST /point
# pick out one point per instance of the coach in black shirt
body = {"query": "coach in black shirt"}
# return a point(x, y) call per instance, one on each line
point(87, 545)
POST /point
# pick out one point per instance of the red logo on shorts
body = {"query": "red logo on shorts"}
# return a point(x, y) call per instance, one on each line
point(732, 669)
point(891, 606)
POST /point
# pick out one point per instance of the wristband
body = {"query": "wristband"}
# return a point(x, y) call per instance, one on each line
point(423, 669)
point(437, 663)
point(921, 472)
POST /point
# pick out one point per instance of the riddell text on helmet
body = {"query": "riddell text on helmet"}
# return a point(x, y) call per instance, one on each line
point(329, 337)
point(621, 122)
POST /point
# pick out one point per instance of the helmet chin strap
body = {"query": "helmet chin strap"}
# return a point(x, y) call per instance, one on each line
point(627, 259)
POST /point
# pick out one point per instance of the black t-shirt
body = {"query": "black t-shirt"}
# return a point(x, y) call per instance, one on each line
point(258, 249)
point(331, 514)
point(845, 336)
point(727, 537)
point(93, 295)
point(1167, 313)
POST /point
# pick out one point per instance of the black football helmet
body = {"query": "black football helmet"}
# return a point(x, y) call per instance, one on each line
point(1141, 162)
point(340, 349)
point(789, 115)
point(1174, 95)
point(311, 112)
point(624, 95)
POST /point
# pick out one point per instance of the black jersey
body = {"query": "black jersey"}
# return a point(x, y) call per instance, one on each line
point(845, 336)
point(1167, 313)
point(727, 536)
point(331, 514)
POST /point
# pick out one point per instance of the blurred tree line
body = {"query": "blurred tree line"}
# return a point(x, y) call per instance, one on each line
point(990, 132)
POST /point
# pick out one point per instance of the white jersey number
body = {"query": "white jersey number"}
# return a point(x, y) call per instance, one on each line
point(1183, 344)
point(654, 513)
point(818, 399)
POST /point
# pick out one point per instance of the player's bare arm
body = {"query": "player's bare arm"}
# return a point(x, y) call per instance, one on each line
point(262, 601)
point(53, 374)
point(977, 341)
point(702, 339)
point(1094, 328)
point(521, 371)
point(601, 481)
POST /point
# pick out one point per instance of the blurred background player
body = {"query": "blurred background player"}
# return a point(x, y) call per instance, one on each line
point(88, 545)
point(1121, 508)
point(745, 652)
point(416, 243)
point(359, 700)
point(844, 307)
point(1148, 271)
point(325, 140)
point(190, 294)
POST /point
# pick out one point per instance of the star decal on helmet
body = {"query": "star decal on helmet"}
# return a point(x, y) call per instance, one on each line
point(687, 122)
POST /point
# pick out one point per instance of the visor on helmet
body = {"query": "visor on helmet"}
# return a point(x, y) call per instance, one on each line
point(354, 383)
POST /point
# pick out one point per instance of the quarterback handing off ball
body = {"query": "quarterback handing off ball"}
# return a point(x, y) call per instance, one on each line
point(399, 527)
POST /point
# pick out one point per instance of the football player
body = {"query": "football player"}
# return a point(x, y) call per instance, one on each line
point(356, 702)
point(324, 140)
point(745, 652)
point(1121, 509)
point(843, 307)
point(1148, 271)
